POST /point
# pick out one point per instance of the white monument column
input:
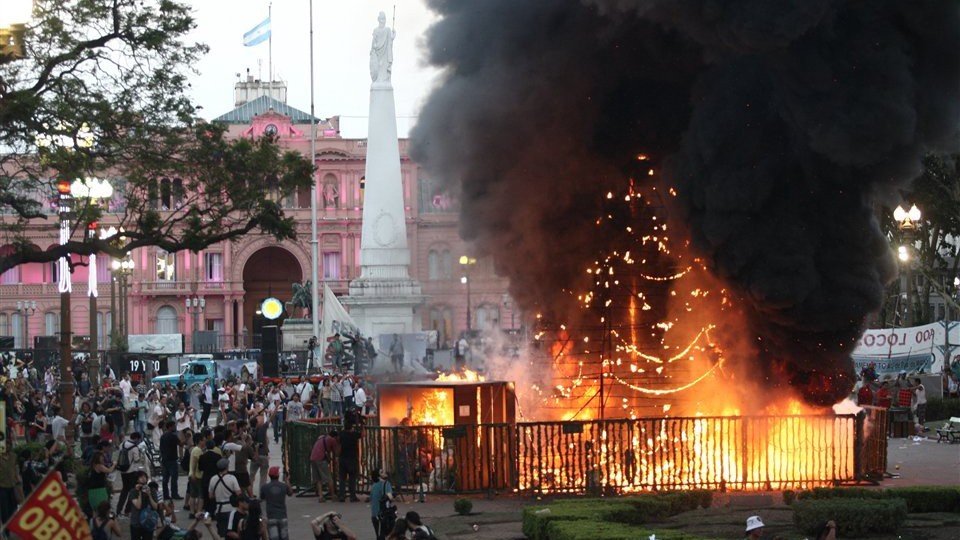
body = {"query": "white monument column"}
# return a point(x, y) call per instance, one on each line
point(384, 299)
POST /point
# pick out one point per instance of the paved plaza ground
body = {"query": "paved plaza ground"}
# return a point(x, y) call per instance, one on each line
point(921, 462)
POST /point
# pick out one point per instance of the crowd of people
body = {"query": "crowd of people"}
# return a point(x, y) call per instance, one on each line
point(904, 392)
point(137, 440)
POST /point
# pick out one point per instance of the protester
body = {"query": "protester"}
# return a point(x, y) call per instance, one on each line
point(419, 530)
point(920, 402)
point(827, 531)
point(97, 481)
point(131, 461)
point(322, 456)
point(349, 462)
point(224, 490)
point(274, 493)
point(170, 461)
point(330, 526)
point(103, 525)
point(382, 510)
point(11, 492)
point(754, 529)
point(144, 517)
point(400, 529)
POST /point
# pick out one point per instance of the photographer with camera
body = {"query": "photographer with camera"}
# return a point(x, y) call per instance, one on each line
point(330, 526)
point(144, 518)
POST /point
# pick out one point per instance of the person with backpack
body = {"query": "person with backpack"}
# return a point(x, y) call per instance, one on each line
point(321, 462)
point(383, 511)
point(103, 525)
point(145, 517)
point(419, 530)
point(274, 493)
point(225, 493)
point(130, 462)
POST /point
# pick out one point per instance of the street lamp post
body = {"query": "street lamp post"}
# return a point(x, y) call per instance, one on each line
point(467, 263)
point(195, 306)
point(64, 212)
point(122, 269)
point(907, 222)
point(27, 308)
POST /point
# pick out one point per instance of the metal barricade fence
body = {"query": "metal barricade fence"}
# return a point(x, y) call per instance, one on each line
point(735, 453)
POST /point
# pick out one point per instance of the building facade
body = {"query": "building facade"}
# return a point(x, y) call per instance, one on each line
point(233, 278)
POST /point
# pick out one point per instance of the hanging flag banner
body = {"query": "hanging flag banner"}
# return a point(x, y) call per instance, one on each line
point(50, 512)
point(336, 320)
point(258, 34)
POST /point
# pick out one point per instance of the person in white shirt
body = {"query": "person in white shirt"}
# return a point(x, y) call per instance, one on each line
point(184, 417)
point(136, 452)
point(58, 425)
point(157, 415)
point(346, 390)
point(360, 398)
point(126, 387)
point(920, 397)
point(305, 389)
point(222, 486)
point(206, 403)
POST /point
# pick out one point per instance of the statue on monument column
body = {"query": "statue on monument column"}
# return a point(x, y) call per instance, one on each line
point(381, 51)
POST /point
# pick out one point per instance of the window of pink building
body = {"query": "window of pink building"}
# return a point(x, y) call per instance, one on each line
point(331, 265)
point(103, 269)
point(166, 266)
point(11, 276)
point(213, 264)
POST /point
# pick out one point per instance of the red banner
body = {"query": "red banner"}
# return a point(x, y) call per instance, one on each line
point(50, 513)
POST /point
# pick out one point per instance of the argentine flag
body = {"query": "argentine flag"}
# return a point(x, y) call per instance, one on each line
point(258, 34)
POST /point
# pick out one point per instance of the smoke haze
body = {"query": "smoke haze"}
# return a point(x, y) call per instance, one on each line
point(780, 123)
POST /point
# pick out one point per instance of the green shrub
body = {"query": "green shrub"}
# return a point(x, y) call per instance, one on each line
point(789, 496)
point(536, 518)
point(922, 499)
point(854, 517)
point(841, 493)
point(939, 409)
point(599, 530)
point(634, 510)
point(462, 506)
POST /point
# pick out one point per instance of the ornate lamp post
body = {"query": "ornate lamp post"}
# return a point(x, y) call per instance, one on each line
point(467, 263)
point(27, 308)
point(122, 269)
point(195, 306)
point(907, 222)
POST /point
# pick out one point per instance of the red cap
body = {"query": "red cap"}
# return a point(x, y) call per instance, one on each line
point(274, 472)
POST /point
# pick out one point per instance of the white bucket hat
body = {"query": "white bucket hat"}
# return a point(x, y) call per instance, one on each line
point(753, 522)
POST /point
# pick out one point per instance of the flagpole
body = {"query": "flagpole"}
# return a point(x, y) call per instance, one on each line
point(270, 46)
point(314, 293)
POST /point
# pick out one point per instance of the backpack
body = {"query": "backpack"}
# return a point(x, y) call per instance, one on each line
point(388, 511)
point(145, 518)
point(123, 460)
point(98, 533)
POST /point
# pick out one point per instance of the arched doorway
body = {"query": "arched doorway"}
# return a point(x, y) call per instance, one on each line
point(270, 271)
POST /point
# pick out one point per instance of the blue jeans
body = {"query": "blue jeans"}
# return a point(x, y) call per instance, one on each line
point(336, 408)
point(171, 472)
point(277, 425)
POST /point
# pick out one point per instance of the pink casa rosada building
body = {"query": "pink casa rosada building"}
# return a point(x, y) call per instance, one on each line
point(232, 279)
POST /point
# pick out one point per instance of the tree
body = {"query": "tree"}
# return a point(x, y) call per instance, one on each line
point(935, 245)
point(101, 91)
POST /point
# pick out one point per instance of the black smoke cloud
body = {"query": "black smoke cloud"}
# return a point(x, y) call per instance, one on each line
point(781, 123)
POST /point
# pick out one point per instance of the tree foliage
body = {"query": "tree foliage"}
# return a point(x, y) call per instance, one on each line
point(114, 73)
point(935, 246)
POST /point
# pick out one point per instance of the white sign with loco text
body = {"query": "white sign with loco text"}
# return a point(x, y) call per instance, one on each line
point(899, 341)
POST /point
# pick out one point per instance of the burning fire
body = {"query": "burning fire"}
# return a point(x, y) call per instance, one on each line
point(466, 376)
point(646, 352)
